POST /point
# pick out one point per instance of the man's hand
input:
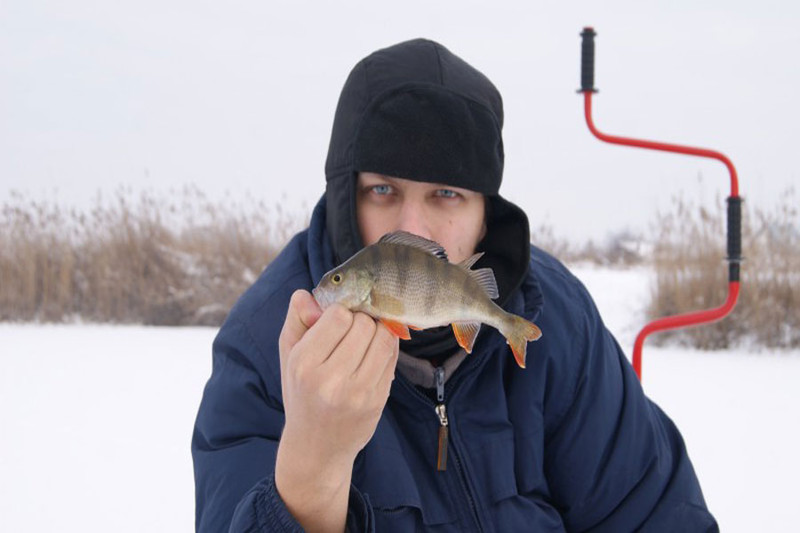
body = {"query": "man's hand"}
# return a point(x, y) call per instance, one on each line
point(336, 371)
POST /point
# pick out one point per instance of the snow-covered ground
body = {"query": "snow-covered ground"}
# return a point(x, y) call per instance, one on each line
point(738, 410)
point(95, 424)
point(95, 421)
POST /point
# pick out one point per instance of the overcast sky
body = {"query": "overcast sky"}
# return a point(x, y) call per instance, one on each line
point(239, 96)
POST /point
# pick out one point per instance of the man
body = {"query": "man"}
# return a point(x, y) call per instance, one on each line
point(322, 421)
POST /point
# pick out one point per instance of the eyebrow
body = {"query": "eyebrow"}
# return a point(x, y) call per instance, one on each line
point(376, 178)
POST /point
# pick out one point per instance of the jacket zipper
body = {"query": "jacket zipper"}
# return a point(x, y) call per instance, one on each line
point(465, 487)
point(441, 412)
point(444, 435)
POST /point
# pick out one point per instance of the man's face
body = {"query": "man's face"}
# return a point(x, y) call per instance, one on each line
point(451, 216)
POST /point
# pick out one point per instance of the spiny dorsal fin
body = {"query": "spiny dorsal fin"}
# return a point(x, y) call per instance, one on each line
point(485, 278)
point(409, 239)
point(467, 263)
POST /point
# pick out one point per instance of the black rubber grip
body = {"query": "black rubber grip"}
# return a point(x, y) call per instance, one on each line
point(587, 60)
point(734, 236)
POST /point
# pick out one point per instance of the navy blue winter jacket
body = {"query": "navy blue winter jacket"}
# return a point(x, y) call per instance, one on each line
point(569, 443)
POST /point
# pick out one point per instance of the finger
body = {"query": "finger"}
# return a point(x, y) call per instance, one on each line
point(303, 312)
point(382, 351)
point(321, 339)
point(386, 379)
point(353, 347)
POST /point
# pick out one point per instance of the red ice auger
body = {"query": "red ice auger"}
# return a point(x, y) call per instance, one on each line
point(734, 209)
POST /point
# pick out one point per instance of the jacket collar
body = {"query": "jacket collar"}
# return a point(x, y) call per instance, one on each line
point(321, 258)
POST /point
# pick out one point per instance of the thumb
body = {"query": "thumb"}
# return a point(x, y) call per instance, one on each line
point(303, 313)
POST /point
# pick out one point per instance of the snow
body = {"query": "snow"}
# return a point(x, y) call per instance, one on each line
point(96, 424)
point(738, 410)
point(96, 420)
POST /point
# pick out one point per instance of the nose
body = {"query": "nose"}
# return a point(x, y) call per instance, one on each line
point(413, 219)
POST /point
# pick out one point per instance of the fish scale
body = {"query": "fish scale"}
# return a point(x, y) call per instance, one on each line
point(405, 281)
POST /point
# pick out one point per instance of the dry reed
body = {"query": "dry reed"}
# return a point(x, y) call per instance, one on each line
point(139, 258)
point(691, 274)
point(134, 258)
point(619, 249)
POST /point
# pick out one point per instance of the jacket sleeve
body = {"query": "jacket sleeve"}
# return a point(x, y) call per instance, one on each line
point(235, 443)
point(614, 461)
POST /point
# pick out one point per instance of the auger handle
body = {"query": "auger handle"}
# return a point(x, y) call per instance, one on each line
point(587, 60)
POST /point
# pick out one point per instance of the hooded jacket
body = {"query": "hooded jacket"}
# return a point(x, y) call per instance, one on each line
point(569, 443)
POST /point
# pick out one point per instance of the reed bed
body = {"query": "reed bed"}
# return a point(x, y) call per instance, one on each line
point(183, 259)
point(135, 257)
point(691, 274)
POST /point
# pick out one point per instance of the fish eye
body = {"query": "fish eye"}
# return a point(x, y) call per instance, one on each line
point(336, 278)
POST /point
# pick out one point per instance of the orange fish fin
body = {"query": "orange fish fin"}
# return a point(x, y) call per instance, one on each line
point(517, 335)
point(401, 330)
point(519, 354)
point(415, 328)
point(466, 333)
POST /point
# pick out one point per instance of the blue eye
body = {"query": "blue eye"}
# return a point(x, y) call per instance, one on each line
point(447, 193)
point(381, 189)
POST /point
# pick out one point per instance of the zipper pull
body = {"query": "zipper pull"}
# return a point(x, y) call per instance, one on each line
point(441, 457)
point(441, 412)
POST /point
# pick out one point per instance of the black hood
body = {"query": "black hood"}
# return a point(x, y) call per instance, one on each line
point(417, 111)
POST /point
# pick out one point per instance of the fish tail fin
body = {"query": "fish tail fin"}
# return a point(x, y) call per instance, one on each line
point(518, 332)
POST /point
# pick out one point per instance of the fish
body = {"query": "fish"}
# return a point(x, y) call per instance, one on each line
point(407, 282)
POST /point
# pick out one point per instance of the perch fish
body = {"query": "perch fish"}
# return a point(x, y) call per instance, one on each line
point(406, 281)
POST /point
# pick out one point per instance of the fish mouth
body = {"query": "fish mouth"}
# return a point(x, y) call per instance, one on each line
point(320, 296)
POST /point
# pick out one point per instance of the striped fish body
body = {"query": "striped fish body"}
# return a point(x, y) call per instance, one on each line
point(419, 289)
point(406, 281)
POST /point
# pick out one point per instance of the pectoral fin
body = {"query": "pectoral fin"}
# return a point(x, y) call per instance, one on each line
point(401, 330)
point(466, 333)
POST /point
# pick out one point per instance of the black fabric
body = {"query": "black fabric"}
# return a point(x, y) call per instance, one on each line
point(417, 111)
point(506, 246)
point(427, 133)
